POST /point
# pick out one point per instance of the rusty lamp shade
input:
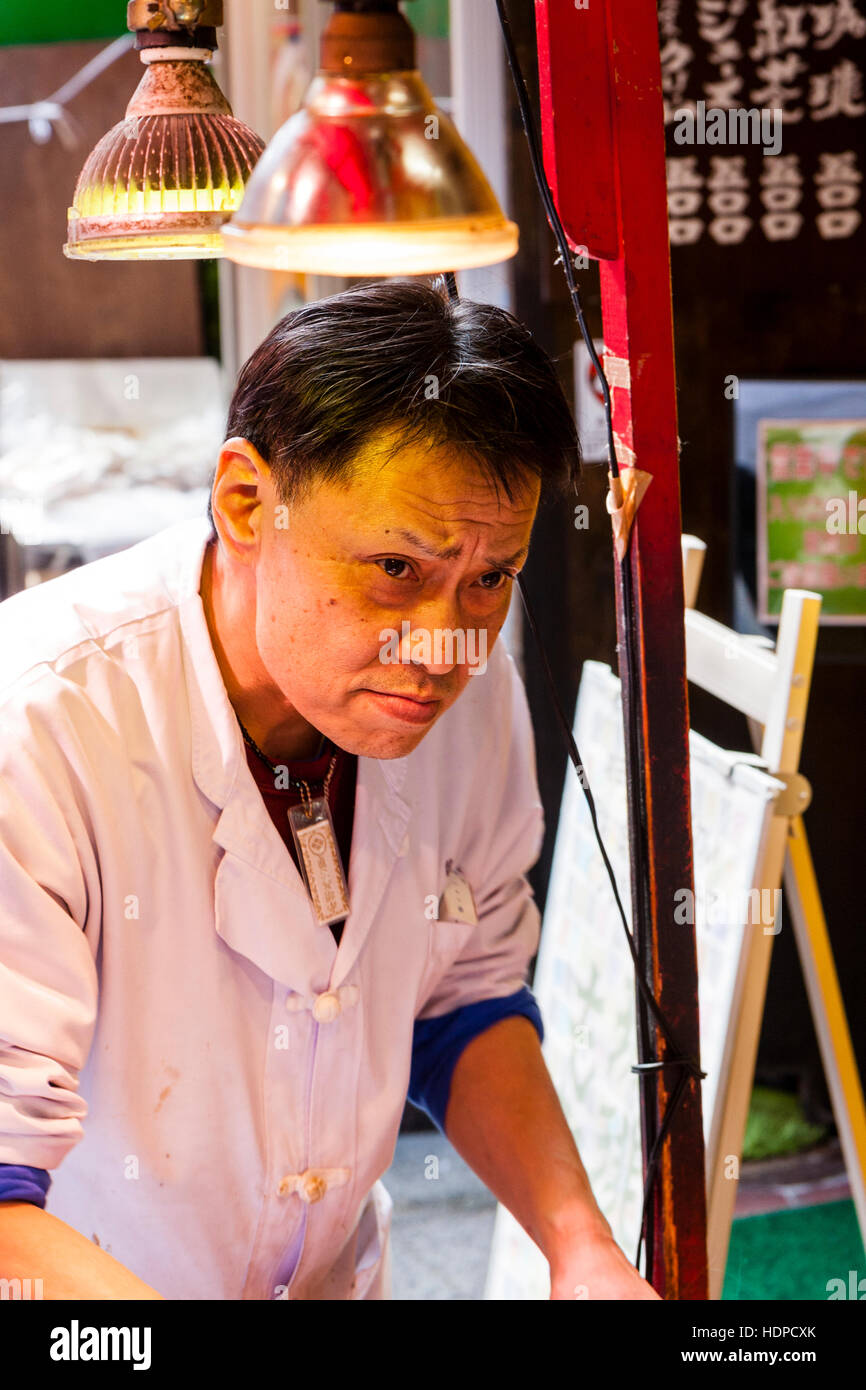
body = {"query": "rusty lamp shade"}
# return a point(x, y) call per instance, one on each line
point(368, 178)
point(161, 183)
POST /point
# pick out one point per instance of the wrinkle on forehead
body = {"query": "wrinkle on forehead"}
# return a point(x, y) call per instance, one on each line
point(447, 512)
point(436, 531)
point(386, 451)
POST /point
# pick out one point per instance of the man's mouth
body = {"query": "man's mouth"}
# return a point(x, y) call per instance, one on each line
point(411, 709)
point(410, 695)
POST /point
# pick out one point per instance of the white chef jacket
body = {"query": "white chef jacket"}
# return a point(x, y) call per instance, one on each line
point(217, 1086)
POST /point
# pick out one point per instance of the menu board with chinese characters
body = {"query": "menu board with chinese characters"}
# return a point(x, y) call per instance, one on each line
point(584, 980)
point(783, 162)
point(811, 515)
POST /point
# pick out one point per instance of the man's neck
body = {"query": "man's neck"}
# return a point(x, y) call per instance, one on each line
point(282, 735)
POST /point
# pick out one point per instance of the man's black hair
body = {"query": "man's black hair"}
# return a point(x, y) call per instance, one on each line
point(398, 356)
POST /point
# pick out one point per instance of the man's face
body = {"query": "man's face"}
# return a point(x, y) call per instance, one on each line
point(421, 539)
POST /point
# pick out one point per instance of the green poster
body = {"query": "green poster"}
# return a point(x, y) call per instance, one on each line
point(811, 515)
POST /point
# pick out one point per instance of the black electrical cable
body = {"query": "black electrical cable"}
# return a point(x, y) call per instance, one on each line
point(574, 754)
point(646, 1001)
point(446, 283)
point(553, 218)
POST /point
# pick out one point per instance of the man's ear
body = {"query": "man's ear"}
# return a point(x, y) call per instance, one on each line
point(240, 497)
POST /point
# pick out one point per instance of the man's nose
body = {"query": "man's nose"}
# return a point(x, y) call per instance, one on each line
point(437, 638)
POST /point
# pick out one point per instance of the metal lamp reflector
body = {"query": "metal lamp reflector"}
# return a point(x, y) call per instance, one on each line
point(368, 178)
point(161, 183)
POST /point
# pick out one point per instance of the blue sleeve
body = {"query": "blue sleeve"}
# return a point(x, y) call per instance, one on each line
point(20, 1184)
point(438, 1042)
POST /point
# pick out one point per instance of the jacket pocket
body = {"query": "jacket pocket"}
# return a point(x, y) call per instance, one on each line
point(447, 940)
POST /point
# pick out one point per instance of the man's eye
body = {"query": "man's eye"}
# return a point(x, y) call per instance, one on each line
point(497, 576)
point(392, 560)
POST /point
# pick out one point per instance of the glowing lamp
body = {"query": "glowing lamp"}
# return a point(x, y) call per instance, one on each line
point(162, 182)
point(368, 178)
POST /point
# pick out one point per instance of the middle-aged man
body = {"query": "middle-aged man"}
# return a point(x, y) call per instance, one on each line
point(267, 806)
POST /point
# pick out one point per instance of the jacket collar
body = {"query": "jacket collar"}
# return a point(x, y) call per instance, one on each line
point(305, 956)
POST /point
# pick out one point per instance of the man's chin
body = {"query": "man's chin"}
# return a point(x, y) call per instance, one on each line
point(384, 743)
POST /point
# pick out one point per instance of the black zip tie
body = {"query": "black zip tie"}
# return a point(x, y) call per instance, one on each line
point(671, 1062)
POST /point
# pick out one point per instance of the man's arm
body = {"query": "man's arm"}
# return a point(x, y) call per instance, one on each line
point(505, 1119)
point(34, 1244)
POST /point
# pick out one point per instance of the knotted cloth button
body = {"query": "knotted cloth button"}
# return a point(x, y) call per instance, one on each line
point(312, 1184)
point(314, 1187)
point(326, 1008)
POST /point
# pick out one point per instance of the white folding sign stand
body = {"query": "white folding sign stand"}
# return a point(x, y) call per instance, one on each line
point(771, 687)
point(746, 813)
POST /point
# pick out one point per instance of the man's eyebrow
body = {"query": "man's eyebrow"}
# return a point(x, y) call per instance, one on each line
point(453, 552)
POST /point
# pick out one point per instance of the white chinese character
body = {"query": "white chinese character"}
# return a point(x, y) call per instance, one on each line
point(730, 201)
point(668, 18)
point(682, 202)
point(729, 231)
point(711, 27)
point(778, 74)
point(778, 28)
point(838, 168)
point(780, 197)
point(727, 172)
point(837, 195)
point(837, 185)
point(727, 52)
point(832, 225)
point(785, 168)
point(781, 226)
point(682, 172)
point(837, 93)
point(724, 92)
point(675, 58)
point(830, 23)
point(685, 230)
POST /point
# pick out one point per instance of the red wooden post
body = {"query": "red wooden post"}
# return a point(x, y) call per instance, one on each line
point(602, 123)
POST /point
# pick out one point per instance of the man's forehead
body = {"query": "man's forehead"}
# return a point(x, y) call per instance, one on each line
point(441, 480)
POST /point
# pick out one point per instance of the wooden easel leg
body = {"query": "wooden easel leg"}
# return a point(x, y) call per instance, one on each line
point(828, 1010)
point(737, 1072)
point(725, 1146)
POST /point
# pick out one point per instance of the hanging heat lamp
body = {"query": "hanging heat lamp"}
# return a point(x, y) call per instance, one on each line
point(369, 177)
point(162, 182)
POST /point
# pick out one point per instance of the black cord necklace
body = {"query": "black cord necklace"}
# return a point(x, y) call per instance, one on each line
point(316, 848)
point(295, 783)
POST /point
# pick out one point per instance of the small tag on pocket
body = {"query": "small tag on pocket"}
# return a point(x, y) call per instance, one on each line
point(457, 903)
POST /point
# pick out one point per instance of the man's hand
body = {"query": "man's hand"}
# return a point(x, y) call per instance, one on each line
point(505, 1119)
point(596, 1268)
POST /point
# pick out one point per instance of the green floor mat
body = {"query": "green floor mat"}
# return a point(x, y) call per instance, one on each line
point(794, 1254)
point(777, 1126)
